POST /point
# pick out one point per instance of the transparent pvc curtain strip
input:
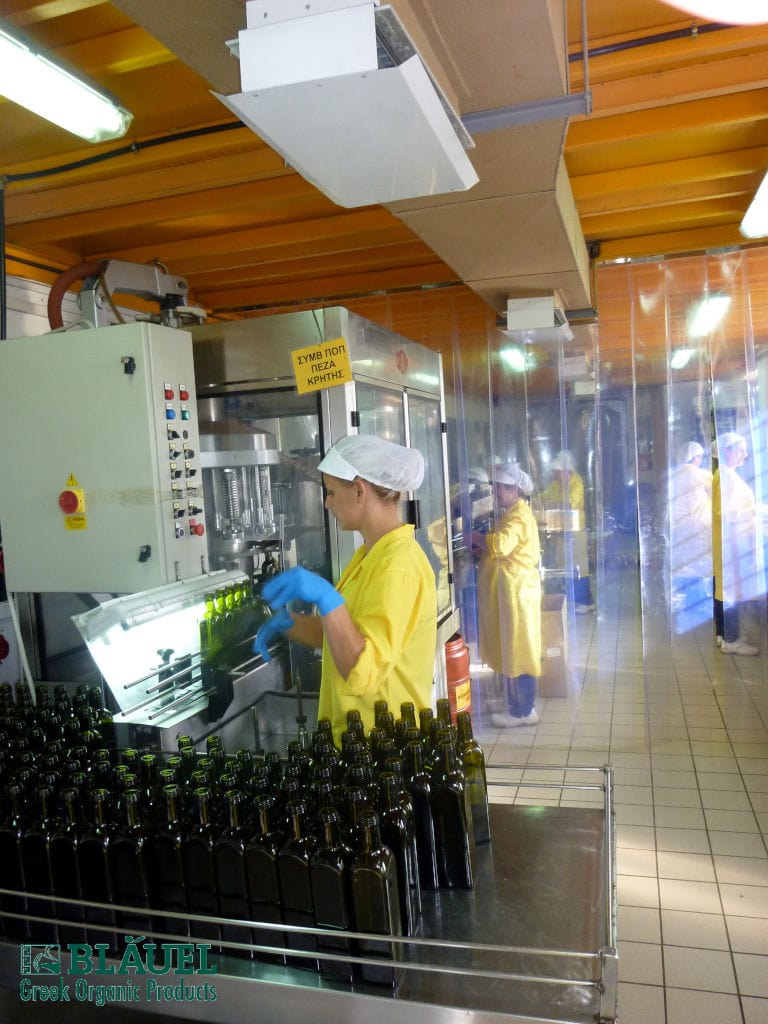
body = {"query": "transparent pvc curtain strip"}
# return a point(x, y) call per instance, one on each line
point(686, 386)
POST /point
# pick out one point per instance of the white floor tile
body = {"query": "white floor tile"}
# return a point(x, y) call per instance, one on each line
point(694, 867)
point(752, 974)
point(745, 900)
point(742, 870)
point(682, 840)
point(706, 969)
point(639, 924)
point(755, 1010)
point(678, 894)
point(640, 962)
point(748, 934)
point(686, 1006)
point(641, 1004)
point(688, 928)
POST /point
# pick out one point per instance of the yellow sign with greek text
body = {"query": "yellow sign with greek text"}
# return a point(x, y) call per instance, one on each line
point(321, 366)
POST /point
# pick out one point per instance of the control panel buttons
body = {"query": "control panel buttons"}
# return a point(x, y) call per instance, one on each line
point(183, 393)
point(185, 413)
point(180, 532)
point(170, 414)
point(196, 528)
point(168, 393)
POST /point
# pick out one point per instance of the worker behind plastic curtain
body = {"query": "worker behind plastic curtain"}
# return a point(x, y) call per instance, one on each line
point(509, 596)
point(378, 627)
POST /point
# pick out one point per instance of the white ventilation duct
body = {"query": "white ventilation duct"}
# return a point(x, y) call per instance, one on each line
point(536, 320)
point(339, 90)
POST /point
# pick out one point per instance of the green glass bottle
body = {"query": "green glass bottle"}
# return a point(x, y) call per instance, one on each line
point(65, 873)
point(168, 867)
point(129, 865)
point(33, 846)
point(453, 821)
point(229, 857)
point(330, 872)
point(419, 785)
point(376, 903)
point(200, 869)
point(473, 761)
point(95, 870)
point(295, 887)
point(261, 855)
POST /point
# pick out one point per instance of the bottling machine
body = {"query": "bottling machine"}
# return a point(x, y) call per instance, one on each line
point(170, 467)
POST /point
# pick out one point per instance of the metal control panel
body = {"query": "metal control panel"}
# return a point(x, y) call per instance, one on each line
point(100, 460)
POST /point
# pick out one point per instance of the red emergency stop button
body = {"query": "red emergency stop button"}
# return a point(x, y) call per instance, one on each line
point(71, 501)
point(196, 528)
point(183, 394)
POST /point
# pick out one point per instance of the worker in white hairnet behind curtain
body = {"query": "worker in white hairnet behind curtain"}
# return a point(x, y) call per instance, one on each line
point(509, 596)
point(378, 627)
point(690, 538)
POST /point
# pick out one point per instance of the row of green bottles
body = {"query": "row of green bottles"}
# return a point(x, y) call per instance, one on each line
point(231, 619)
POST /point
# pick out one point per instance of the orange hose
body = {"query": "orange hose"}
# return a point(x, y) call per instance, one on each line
point(62, 283)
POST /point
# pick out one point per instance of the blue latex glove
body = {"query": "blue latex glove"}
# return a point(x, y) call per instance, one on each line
point(281, 621)
point(302, 585)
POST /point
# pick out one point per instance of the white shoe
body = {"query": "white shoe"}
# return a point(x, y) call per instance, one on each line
point(739, 647)
point(584, 609)
point(719, 641)
point(507, 721)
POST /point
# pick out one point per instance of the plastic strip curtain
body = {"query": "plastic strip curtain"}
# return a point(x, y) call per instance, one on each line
point(533, 405)
point(695, 378)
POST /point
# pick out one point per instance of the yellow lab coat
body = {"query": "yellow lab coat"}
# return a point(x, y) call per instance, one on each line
point(391, 597)
point(509, 595)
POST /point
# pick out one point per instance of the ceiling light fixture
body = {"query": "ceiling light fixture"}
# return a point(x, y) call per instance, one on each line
point(680, 358)
point(732, 12)
point(755, 223)
point(36, 81)
point(707, 315)
point(514, 358)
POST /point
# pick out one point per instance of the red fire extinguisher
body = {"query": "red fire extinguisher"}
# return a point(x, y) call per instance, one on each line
point(457, 675)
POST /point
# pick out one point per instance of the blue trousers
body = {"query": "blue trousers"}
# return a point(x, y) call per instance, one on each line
point(521, 693)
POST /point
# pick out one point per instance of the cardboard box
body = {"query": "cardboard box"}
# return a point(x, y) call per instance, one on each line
point(9, 651)
point(553, 681)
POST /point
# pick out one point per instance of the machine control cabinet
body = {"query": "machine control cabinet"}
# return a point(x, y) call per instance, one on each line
point(100, 460)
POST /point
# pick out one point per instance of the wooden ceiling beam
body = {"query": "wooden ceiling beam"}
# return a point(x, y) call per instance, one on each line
point(614, 186)
point(324, 289)
point(676, 217)
point(176, 174)
point(355, 230)
point(331, 264)
point(22, 13)
point(286, 197)
point(668, 243)
point(727, 76)
point(650, 58)
point(695, 117)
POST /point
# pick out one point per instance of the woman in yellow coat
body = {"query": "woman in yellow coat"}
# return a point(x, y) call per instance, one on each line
point(509, 596)
point(378, 626)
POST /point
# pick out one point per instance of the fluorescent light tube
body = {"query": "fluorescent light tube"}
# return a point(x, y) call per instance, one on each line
point(38, 83)
point(708, 315)
point(755, 223)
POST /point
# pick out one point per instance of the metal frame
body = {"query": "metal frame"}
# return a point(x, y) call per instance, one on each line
point(433, 968)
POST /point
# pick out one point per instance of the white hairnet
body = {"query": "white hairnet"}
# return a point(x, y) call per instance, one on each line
point(728, 440)
point(375, 460)
point(564, 460)
point(689, 451)
point(513, 476)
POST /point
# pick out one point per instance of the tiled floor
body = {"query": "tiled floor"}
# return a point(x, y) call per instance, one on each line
point(686, 729)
